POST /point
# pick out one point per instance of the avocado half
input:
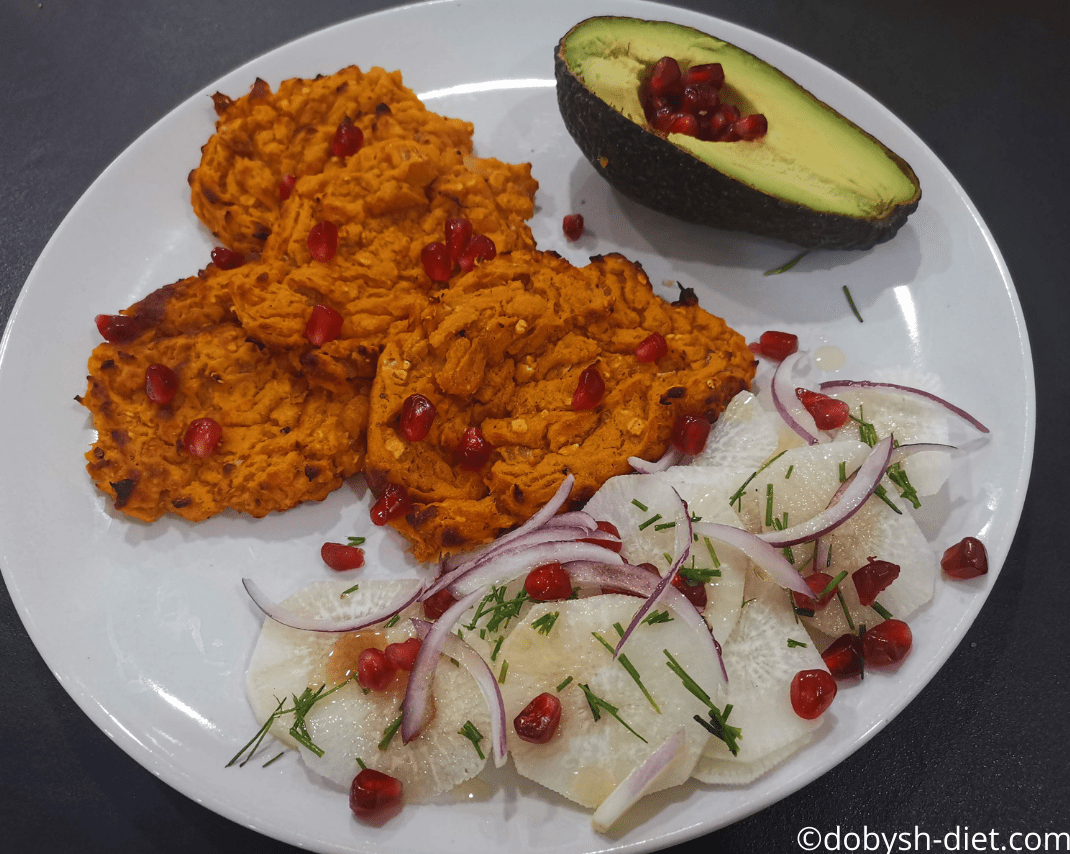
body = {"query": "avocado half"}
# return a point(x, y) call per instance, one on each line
point(815, 179)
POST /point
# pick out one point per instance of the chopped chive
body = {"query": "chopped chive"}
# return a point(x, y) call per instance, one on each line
point(502, 672)
point(843, 471)
point(545, 622)
point(644, 525)
point(393, 621)
point(718, 725)
point(657, 617)
point(360, 762)
point(630, 668)
point(737, 496)
point(619, 629)
point(664, 526)
point(389, 733)
point(640, 504)
point(356, 541)
point(880, 609)
point(472, 733)
point(832, 585)
point(596, 703)
point(713, 553)
point(769, 505)
point(349, 590)
point(261, 733)
point(897, 475)
point(851, 302)
point(497, 646)
point(792, 643)
point(787, 474)
point(846, 610)
point(564, 684)
point(882, 494)
point(275, 757)
point(789, 265)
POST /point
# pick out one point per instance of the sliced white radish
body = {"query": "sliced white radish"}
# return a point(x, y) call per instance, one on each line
point(765, 651)
point(587, 759)
point(349, 724)
point(744, 437)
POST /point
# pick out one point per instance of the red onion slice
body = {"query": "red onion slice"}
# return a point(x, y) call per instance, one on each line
point(414, 706)
point(671, 457)
point(767, 557)
point(862, 484)
point(787, 404)
point(286, 616)
point(475, 664)
point(682, 548)
point(635, 785)
point(908, 391)
point(504, 568)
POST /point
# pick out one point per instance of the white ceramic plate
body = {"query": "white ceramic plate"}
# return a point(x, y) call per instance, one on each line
point(147, 626)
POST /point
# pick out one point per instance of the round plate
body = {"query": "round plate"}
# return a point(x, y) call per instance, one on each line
point(147, 626)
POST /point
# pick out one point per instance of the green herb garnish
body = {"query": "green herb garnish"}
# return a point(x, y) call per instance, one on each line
point(622, 659)
point(851, 302)
point(880, 609)
point(789, 265)
point(657, 617)
point(792, 643)
point(598, 705)
point(718, 723)
point(389, 733)
point(470, 732)
point(564, 685)
point(545, 622)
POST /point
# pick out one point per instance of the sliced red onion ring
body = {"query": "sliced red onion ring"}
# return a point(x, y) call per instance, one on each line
point(504, 568)
point(671, 457)
point(286, 616)
point(909, 391)
point(588, 574)
point(682, 548)
point(635, 785)
point(787, 404)
point(862, 484)
point(765, 556)
point(475, 664)
point(414, 706)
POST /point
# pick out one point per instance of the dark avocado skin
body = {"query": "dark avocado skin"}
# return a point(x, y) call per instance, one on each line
point(657, 174)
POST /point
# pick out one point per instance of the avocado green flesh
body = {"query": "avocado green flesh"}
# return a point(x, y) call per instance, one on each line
point(811, 155)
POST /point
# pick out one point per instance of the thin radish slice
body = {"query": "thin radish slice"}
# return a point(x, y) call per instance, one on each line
point(762, 553)
point(457, 649)
point(671, 457)
point(636, 784)
point(867, 478)
point(280, 613)
point(910, 391)
point(414, 712)
point(787, 404)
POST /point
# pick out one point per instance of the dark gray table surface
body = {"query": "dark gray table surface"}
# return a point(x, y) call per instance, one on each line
point(986, 85)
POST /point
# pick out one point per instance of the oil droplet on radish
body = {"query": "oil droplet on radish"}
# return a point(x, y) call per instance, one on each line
point(592, 784)
point(829, 358)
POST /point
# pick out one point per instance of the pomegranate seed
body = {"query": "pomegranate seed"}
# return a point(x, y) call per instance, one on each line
point(324, 325)
point(341, 557)
point(729, 112)
point(474, 450)
point(374, 672)
point(479, 248)
point(684, 123)
point(375, 796)
point(873, 578)
point(662, 119)
point(611, 529)
point(699, 99)
point(666, 78)
point(538, 722)
point(718, 123)
point(573, 226)
point(548, 582)
point(436, 260)
point(812, 692)
point(694, 593)
point(966, 559)
point(403, 655)
point(323, 241)
point(828, 412)
point(348, 139)
point(458, 234)
point(728, 136)
point(392, 504)
point(589, 390)
point(202, 436)
point(711, 74)
point(436, 605)
point(119, 328)
point(161, 384)
point(843, 657)
point(227, 259)
point(817, 582)
point(777, 345)
point(652, 348)
point(286, 186)
point(751, 127)
point(886, 643)
point(417, 415)
point(689, 433)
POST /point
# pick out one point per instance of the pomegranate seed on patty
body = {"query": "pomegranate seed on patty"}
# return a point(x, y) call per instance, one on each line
point(572, 225)
point(286, 186)
point(590, 389)
point(392, 504)
point(161, 384)
point(474, 450)
point(375, 796)
point(458, 234)
point(348, 139)
point(652, 348)
point(324, 325)
point(202, 436)
point(435, 258)
point(479, 248)
point(548, 582)
point(119, 328)
point(966, 559)
point(812, 692)
point(689, 433)
point(323, 241)
point(417, 415)
point(341, 557)
point(227, 259)
point(539, 719)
